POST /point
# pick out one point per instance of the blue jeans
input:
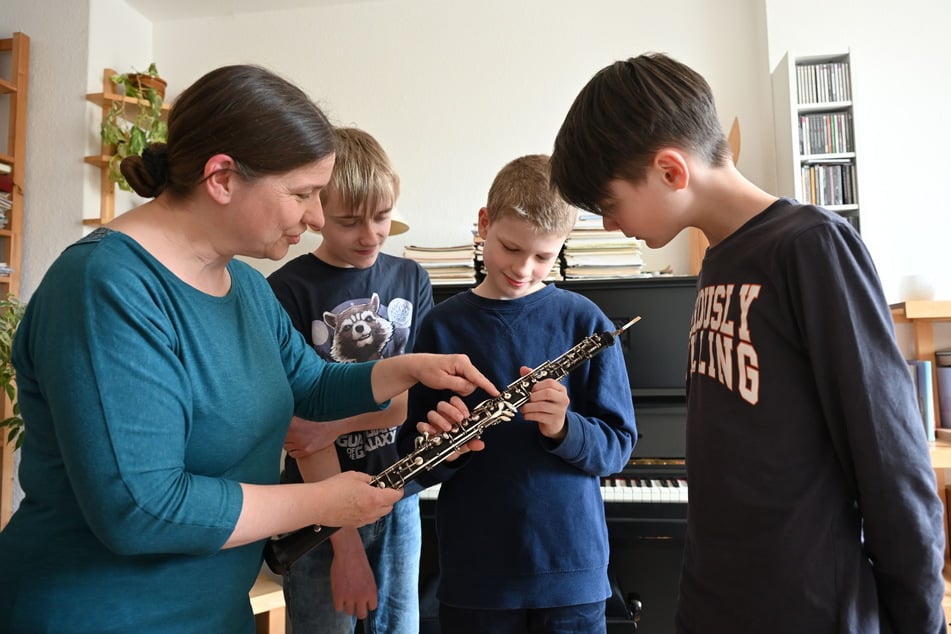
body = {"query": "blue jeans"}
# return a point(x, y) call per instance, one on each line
point(587, 618)
point(392, 544)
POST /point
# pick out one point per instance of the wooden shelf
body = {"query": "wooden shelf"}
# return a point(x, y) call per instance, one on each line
point(940, 454)
point(100, 160)
point(946, 601)
point(922, 309)
point(106, 99)
point(922, 315)
point(13, 89)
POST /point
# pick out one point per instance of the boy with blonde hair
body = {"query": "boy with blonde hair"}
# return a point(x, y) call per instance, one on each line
point(812, 499)
point(523, 543)
point(354, 303)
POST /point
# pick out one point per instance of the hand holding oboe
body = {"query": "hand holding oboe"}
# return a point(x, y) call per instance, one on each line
point(448, 432)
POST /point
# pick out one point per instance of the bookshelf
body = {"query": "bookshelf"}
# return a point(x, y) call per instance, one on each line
point(941, 462)
point(922, 315)
point(15, 57)
point(815, 133)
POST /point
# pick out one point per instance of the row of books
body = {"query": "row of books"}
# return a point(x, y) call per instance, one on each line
point(829, 183)
point(829, 133)
point(943, 376)
point(928, 400)
point(921, 377)
point(6, 203)
point(823, 83)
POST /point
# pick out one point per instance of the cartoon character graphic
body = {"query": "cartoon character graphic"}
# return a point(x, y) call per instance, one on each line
point(360, 332)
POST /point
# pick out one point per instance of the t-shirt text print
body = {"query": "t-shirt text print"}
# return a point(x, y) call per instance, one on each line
point(721, 344)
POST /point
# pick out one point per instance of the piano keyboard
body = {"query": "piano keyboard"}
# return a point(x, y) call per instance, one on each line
point(625, 490)
point(634, 490)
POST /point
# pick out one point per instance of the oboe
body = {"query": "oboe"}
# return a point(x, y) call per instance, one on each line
point(430, 450)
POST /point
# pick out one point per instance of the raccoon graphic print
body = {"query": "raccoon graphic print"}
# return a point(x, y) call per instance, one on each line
point(363, 330)
point(354, 315)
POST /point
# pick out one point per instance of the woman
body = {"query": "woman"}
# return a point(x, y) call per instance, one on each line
point(157, 377)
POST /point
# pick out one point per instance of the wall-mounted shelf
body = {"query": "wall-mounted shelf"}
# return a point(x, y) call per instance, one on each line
point(107, 189)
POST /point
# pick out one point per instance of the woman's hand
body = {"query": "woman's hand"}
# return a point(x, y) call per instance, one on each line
point(342, 500)
point(453, 372)
point(348, 500)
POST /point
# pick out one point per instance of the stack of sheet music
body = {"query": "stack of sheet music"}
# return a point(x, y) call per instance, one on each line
point(445, 265)
point(592, 252)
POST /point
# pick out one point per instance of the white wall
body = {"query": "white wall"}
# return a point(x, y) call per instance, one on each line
point(54, 137)
point(120, 38)
point(454, 89)
point(901, 59)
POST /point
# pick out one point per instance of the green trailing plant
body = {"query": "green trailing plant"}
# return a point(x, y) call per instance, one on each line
point(11, 313)
point(132, 127)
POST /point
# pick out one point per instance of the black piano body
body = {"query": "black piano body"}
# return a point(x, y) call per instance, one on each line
point(646, 533)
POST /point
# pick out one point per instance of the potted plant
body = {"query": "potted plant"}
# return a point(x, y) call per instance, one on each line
point(11, 312)
point(129, 127)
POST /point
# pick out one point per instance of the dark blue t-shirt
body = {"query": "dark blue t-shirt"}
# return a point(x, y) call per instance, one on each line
point(352, 315)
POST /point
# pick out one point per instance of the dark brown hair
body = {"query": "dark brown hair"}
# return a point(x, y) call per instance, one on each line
point(623, 116)
point(262, 121)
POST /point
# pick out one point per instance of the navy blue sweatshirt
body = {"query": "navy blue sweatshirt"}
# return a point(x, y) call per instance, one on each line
point(521, 523)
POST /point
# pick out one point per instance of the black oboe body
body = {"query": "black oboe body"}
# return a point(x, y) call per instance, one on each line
point(431, 450)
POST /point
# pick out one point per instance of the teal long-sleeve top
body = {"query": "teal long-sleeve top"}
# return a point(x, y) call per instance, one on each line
point(146, 402)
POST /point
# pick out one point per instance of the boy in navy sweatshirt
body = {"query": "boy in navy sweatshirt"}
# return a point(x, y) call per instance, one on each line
point(523, 544)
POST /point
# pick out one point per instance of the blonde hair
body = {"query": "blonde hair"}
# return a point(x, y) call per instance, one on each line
point(363, 178)
point(522, 190)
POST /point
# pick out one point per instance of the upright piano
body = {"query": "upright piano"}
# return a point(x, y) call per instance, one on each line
point(646, 503)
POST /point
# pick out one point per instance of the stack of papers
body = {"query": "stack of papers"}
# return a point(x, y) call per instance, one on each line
point(445, 265)
point(592, 252)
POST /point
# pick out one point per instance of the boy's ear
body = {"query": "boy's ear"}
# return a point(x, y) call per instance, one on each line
point(483, 222)
point(673, 167)
point(220, 178)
